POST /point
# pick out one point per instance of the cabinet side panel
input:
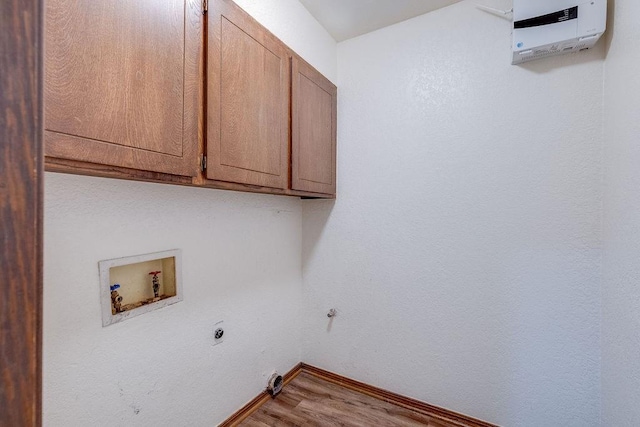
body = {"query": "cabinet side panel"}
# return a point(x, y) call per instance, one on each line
point(314, 130)
point(314, 109)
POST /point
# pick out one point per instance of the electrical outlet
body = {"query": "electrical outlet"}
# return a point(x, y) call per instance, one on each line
point(219, 332)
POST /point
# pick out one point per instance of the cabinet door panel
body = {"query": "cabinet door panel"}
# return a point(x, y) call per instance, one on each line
point(313, 130)
point(122, 83)
point(248, 101)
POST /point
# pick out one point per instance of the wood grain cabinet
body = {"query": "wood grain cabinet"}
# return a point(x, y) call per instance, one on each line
point(313, 130)
point(247, 100)
point(122, 82)
point(156, 91)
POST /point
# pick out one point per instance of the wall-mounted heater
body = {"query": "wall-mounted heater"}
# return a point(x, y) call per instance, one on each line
point(544, 28)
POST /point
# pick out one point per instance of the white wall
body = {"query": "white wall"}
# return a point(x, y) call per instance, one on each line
point(241, 259)
point(463, 252)
point(241, 264)
point(621, 286)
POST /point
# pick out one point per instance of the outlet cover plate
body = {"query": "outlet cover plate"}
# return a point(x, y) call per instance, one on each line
point(216, 326)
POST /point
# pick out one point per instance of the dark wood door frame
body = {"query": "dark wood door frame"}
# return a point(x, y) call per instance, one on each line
point(21, 196)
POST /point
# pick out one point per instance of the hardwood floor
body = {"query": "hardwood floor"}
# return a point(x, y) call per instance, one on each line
point(310, 401)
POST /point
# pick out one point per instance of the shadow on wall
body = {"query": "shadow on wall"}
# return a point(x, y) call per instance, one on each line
point(315, 215)
point(608, 36)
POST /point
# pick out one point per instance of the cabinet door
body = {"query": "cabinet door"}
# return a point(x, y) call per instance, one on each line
point(122, 83)
point(313, 147)
point(247, 100)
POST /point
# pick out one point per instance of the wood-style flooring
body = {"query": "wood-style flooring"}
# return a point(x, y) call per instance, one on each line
point(310, 401)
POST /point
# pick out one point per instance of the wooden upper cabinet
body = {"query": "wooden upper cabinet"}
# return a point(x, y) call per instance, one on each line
point(131, 93)
point(313, 146)
point(123, 82)
point(247, 100)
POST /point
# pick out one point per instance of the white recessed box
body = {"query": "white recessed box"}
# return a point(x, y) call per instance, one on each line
point(135, 285)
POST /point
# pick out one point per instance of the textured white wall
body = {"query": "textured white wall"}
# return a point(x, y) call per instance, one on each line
point(621, 287)
point(241, 264)
point(463, 251)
